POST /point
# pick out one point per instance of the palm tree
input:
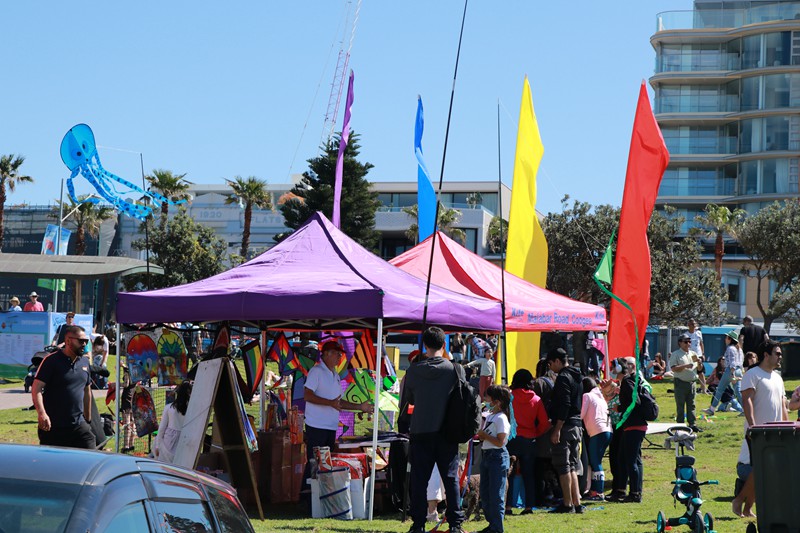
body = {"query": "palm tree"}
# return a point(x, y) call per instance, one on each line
point(248, 193)
point(718, 220)
point(448, 218)
point(173, 186)
point(9, 177)
point(86, 218)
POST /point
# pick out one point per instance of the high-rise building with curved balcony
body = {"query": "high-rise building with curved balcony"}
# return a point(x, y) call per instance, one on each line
point(727, 98)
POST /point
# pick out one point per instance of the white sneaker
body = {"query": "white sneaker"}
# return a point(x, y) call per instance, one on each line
point(433, 517)
point(709, 411)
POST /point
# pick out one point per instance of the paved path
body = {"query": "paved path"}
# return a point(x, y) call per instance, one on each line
point(17, 398)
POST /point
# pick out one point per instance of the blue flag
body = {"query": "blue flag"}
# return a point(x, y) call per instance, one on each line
point(426, 197)
point(49, 244)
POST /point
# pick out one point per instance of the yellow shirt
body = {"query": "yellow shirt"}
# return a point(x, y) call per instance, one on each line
point(678, 358)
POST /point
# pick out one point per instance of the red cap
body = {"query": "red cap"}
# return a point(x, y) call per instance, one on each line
point(331, 345)
point(413, 355)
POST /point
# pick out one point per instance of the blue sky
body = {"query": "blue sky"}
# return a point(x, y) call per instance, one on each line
point(218, 90)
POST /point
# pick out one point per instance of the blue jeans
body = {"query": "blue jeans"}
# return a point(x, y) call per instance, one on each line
point(525, 450)
point(597, 448)
point(632, 458)
point(724, 381)
point(427, 450)
point(494, 477)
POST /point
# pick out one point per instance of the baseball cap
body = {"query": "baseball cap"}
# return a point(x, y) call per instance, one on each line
point(331, 345)
point(684, 337)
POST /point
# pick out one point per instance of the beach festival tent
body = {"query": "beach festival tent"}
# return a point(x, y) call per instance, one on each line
point(317, 278)
point(528, 307)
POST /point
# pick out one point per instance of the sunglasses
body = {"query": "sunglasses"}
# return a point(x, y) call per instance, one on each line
point(82, 341)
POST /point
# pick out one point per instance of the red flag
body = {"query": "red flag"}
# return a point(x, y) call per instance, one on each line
point(647, 161)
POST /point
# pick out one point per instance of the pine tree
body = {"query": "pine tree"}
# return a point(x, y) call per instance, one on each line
point(315, 193)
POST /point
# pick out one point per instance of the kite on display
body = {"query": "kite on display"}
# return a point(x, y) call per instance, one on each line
point(173, 361)
point(282, 353)
point(253, 369)
point(79, 153)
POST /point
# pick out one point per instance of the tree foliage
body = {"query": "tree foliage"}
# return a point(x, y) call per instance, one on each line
point(719, 220)
point(315, 193)
point(681, 287)
point(172, 186)
point(186, 250)
point(9, 178)
point(771, 240)
point(84, 217)
point(248, 193)
point(448, 218)
point(497, 235)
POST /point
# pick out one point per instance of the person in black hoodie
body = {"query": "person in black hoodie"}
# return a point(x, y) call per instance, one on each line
point(634, 429)
point(565, 412)
point(427, 387)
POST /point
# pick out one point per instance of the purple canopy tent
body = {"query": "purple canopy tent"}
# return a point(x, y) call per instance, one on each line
point(318, 278)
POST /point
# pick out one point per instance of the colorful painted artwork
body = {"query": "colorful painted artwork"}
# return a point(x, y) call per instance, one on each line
point(173, 361)
point(144, 412)
point(142, 356)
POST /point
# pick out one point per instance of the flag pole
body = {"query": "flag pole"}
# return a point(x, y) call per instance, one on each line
point(57, 282)
point(441, 173)
point(504, 370)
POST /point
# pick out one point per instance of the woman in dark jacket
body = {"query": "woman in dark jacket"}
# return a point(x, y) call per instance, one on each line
point(634, 429)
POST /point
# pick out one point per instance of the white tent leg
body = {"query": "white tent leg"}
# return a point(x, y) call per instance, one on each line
point(376, 415)
point(118, 392)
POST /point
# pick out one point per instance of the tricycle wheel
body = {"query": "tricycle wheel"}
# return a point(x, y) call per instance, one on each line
point(661, 523)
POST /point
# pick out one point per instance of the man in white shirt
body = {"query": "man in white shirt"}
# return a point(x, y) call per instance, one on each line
point(764, 400)
point(697, 346)
point(323, 396)
point(683, 363)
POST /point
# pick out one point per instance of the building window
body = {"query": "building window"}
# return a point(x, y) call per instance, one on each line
point(391, 247)
point(472, 240)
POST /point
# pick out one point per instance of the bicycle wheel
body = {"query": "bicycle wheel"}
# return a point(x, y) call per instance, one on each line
point(699, 526)
point(708, 521)
point(661, 523)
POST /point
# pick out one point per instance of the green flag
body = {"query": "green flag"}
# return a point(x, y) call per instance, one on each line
point(605, 269)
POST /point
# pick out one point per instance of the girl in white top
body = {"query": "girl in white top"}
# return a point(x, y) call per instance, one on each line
point(494, 459)
point(172, 421)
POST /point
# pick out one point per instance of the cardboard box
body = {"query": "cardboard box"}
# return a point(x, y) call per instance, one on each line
point(298, 468)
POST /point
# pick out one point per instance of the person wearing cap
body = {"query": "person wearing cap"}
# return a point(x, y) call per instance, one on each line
point(14, 304)
point(751, 335)
point(34, 304)
point(323, 396)
point(683, 363)
point(58, 339)
point(733, 366)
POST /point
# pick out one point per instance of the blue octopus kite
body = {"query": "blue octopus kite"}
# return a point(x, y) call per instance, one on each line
point(79, 153)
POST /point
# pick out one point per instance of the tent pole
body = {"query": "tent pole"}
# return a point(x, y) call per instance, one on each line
point(261, 387)
point(376, 415)
point(504, 366)
point(118, 391)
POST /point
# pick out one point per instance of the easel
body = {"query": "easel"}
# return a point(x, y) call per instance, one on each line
point(215, 386)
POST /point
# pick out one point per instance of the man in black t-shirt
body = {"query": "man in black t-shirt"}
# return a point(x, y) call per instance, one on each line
point(62, 394)
point(751, 335)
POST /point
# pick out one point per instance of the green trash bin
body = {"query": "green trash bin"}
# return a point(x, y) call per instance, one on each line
point(775, 456)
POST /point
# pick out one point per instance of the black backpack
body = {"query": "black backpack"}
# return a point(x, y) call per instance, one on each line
point(462, 417)
point(648, 407)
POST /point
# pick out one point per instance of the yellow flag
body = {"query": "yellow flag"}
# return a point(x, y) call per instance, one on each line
point(526, 254)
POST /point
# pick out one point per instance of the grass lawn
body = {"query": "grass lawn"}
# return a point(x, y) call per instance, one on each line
point(716, 451)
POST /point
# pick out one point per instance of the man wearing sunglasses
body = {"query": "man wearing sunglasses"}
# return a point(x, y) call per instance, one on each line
point(62, 394)
point(683, 363)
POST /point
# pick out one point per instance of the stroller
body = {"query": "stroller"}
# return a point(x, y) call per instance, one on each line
point(36, 360)
point(687, 488)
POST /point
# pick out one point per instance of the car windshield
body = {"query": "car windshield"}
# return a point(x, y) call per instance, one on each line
point(28, 506)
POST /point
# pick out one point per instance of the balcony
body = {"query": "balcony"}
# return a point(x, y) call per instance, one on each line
point(698, 62)
point(697, 104)
point(703, 19)
point(701, 146)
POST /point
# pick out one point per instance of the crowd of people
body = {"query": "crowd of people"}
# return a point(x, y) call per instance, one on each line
point(557, 424)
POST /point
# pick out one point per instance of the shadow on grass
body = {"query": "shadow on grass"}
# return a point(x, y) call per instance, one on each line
point(21, 422)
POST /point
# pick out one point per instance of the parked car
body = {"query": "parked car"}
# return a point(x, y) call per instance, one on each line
point(67, 490)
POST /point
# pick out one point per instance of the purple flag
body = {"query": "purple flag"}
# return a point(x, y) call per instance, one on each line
point(337, 189)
